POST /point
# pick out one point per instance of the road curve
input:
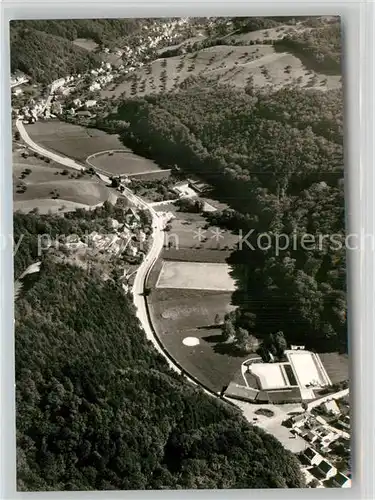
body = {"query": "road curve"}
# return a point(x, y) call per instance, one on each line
point(144, 269)
point(63, 160)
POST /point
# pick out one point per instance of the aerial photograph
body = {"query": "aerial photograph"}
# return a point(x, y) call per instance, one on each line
point(179, 254)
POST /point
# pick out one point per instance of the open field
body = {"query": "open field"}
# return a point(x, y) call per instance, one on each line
point(232, 64)
point(196, 276)
point(86, 44)
point(46, 206)
point(190, 230)
point(72, 140)
point(196, 255)
point(336, 366)
point(191, 315)
point(44, 182)
point(123, 162)
point(78, 191)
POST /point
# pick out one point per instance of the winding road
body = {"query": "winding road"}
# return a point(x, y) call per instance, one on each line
point(272, 425)
point(144, 269)
point(63, 160)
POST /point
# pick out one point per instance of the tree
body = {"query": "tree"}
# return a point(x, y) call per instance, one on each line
point(228, 330)
point(217, 319)
point(115, 182)
point(17, 135)
point(280, 343)
point(246, 342)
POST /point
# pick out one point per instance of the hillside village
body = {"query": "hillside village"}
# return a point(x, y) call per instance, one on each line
point(132, 57)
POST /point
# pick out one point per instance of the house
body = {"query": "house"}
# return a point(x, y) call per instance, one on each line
point(338, 481)
point(17, 92)
point(95, 86)
point(331, 407)
point(312, 456)
point(132, 218)
point(133, 251)
point(86, 114)
point(310, 437)
point(77, 102)
point(344, 422)
point(324, 470)
point(90, 103)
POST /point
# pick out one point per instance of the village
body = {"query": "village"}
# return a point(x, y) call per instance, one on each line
point(132, 57)
point(326, 427)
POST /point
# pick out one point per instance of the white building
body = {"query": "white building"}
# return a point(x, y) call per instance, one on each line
point(95, 86)
point(332, 407)
point(90, 103)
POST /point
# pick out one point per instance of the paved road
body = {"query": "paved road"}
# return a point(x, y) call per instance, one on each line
point(63, 160)
point(272, 425)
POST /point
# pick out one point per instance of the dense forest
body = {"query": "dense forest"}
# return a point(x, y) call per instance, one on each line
point(277, 160)
point(98, 407)
point(98, 30)
point(45, 57)
point(319, 49)
point(43, 49)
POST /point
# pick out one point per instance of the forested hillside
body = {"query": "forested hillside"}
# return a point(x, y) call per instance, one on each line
point(46, 57)
point(98, 30)
point(319, 49)
point(98, 408)
point(277, 159)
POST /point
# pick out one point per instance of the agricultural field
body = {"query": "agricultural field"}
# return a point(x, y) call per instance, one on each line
point(196, 276)
point(123, 162)
point(71, 140)
point(185, 324)
point(46, 187)
point(235, 65)
point(191, 231)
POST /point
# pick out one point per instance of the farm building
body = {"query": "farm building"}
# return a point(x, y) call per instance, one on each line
point(199, 187)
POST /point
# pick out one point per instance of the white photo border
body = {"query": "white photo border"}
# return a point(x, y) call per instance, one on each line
point(358, 24)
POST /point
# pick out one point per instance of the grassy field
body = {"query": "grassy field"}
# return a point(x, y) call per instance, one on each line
point(236, 65)
point(178, 314)
point(196, 255)
point(336, 365)
point(191, 231)
point(124, 162)
point(44, 183)
point(196, 276)
point(72, 140)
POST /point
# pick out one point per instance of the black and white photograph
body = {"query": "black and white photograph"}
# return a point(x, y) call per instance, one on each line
point(180, 276)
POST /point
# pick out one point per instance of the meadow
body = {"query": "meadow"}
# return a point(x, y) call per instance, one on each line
point(71, 140)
